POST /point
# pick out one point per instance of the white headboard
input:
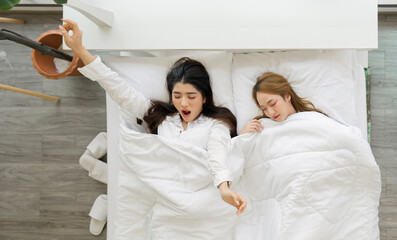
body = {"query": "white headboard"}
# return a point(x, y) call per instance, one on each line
point(249, 25)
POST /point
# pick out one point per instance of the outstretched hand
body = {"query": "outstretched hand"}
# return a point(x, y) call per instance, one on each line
point(232, 197)
point(75, 41)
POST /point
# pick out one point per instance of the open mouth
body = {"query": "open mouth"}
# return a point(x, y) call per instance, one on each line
point(185, 113)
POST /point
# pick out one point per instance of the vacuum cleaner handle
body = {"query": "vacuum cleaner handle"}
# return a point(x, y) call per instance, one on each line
point(43, 49)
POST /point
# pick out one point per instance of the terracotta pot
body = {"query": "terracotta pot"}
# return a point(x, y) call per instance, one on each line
point(45, 65)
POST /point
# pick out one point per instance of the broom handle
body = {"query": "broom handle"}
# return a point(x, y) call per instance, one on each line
point(20, 90)
point(11, 20)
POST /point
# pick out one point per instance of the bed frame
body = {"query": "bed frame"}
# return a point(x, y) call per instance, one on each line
point(145, 28)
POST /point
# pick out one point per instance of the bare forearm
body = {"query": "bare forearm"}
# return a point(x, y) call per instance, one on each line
point(223, 186)
point(84, 55)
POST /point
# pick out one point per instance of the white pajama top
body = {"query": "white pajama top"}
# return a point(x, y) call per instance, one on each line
point(207, 133)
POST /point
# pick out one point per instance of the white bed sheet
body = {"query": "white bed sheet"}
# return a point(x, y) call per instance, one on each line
point(113, 122)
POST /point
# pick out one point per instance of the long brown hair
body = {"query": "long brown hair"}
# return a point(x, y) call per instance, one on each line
point(274, 83)
point(187, 70)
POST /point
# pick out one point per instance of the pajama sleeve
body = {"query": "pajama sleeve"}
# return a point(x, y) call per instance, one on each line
point(119, 90)
point(218, 148)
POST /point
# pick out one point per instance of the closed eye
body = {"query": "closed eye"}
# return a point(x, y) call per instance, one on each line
point(192, 95)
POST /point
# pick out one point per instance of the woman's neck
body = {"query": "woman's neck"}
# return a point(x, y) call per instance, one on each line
point(184, 125)
point(292, 110)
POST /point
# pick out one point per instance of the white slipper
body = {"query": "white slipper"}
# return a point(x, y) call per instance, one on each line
point(98, 214)
point(97, 169)
point(98, 146)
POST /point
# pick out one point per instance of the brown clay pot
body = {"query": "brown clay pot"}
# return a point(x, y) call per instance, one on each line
point(45, 65)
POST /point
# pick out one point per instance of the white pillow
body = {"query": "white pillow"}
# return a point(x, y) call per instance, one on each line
point(324, 77)
point(148, 76)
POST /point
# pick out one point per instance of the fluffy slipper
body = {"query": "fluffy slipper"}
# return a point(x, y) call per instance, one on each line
point(97, 148)
point(98, 214)
point(97, 169)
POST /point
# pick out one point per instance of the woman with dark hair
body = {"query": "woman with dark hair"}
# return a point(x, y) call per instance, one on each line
point(274, 95)
point(188, 71)
point(189, 116)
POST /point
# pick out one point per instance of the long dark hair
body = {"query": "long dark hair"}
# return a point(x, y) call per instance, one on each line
point(274, 83)
point(187, 70)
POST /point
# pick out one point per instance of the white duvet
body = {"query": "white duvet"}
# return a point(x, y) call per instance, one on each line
point(307, 178)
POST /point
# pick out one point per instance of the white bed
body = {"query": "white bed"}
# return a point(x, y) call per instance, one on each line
point(237, 27)
point(338, 63)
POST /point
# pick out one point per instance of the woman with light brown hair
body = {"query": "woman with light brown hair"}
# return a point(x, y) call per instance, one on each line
point(274, 95)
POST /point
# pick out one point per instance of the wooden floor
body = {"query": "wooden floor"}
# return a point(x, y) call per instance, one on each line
point(45, 194)
point(383, 62)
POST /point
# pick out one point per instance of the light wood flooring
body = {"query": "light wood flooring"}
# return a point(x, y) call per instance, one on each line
point(45, 194)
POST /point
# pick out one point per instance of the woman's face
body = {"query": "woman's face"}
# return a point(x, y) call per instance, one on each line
point(187, 100)
point(275, 106)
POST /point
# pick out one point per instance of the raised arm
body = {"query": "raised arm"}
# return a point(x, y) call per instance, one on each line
point(121, 92)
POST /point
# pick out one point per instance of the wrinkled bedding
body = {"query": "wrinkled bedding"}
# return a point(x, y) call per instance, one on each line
point(308, 177)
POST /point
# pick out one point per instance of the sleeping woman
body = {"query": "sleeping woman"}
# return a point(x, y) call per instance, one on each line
point(306, 175)
point(274, 95)
point(189, 116)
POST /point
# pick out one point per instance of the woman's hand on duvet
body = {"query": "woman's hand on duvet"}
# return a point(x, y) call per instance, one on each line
point(232, 197)
point(252, 126)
